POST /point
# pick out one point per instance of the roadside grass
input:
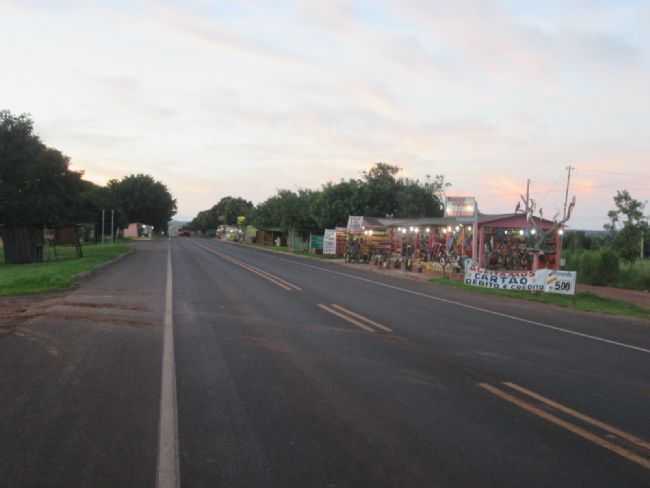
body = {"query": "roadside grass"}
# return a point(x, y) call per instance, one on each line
point(584, 301)
point(635, 276)
point(22, 279)
point(603, 267)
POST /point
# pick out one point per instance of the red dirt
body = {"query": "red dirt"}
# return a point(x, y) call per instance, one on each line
point(640, 298)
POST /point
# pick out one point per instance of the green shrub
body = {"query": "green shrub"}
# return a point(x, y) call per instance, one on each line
point(605, 268)
point(635, 276)
point(608, 269)
point(588, 264)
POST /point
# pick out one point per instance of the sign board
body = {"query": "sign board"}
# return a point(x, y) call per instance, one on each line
point(315, 242)
point(329, 242)
point(562, 282)
point(546, 280)
point(355, 224)
point(460, 206)
point(504, 280)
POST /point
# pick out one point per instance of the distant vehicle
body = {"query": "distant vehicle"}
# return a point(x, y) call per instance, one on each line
point(184, 233)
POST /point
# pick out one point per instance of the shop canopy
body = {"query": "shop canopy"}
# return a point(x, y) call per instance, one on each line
point(360, 223)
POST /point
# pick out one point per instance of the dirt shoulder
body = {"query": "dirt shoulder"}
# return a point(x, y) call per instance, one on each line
point(639, 298)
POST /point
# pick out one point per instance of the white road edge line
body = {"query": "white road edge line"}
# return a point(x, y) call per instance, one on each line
point(168, 472)
point(472, 307)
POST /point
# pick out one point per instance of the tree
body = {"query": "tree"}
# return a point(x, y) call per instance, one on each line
point(95, 198)
point(415, 199)
point(225, 212)
point(378, 193)
point(230, 208)
point(143, 199)
point(627, 225)
point(287, 210)
point(337, 201)
point(37, 188)
point(381, 187)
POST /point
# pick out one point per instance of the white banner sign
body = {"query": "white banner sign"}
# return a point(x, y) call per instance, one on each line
point(504, 280)
point(562, 282)
point(329, 242)
point(355, 224)
point(460, 206)
point(546, 280)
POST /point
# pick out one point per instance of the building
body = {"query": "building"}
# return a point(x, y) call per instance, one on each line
point(500, 241)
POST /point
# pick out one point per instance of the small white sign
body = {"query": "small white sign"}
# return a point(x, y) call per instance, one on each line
point(329, 242)
point(355, 223)
point(562, 282)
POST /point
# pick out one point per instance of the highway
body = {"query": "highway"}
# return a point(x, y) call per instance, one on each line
point(209, 364)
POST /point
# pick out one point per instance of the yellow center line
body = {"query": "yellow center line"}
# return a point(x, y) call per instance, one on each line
point(287, 283)
point(609, 428)
point(362, 318)
point(344, 317)
point(262, 274)
point(268, 278)
point(579, 431)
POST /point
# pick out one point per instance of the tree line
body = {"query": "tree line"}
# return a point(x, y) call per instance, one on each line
point(379, 192)
point(38, 189)
point(627, 233)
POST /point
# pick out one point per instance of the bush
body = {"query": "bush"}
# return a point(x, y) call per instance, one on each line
point(636, 276)
point(608, 269)
point(594, 267)
point(587, 267)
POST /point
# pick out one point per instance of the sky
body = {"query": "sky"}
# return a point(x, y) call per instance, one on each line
point(244, 98)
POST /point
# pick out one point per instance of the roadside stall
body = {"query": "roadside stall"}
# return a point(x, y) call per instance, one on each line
point(505, 243)
point(422, 244)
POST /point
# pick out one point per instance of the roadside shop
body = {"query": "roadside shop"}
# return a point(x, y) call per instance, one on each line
point(447, 244)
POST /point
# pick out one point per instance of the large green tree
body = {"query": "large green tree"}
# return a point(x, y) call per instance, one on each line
point(627, 225)
point(378, 193)
point(337, 201)
point(143, 199)
point(37, 188)
point(287, 210)
point(225, 212)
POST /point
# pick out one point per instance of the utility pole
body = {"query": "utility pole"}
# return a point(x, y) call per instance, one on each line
point(102, 226)
point(528, 216)
point(642, 247)
point(112, 226)
point(569, 169)
point(527, 195)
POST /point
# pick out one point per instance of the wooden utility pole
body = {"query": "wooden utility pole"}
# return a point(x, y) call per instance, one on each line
point(528, 207)
point(527, 195)
point(566, 194)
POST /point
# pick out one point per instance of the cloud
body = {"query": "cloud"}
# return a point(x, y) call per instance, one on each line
point(247, 97)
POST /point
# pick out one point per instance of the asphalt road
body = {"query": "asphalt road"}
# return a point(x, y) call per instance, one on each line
point(292, 372)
